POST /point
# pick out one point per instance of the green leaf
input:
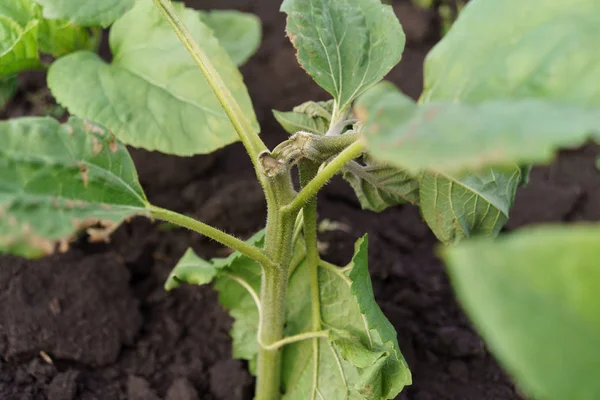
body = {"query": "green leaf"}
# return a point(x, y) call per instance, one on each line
point(191, 269)
point(347, 46)
point(548, 52)
point(533, 295)
point(360, 359)
point(238, 32)
point(152, 95)
point(368, 364)
point(18, 47)
point(458, 207)
point(8, 88)
point(457, 137)
point(60, 37)
point(379, 186)
point(55, 37)
point(312, 117)
point(86, 12)
point(229, 272)
point(58, 179)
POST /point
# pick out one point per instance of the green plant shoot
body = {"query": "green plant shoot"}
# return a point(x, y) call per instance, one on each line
point(498, 98)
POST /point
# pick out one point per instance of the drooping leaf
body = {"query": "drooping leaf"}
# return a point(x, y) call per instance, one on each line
point(152, 95)
point(458, 207)
point(347, 46)
point(86, 12)
point(533, 295)
point(456, 137)
point(238, 32)
point(312, 117)
point(8, 88)
point(360, 359)
point(379, 185)
point(227, 274)
point(18, 47)
point(367, 364)
point(58, 179)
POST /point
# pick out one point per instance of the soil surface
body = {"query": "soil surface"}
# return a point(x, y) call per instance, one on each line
point(95, 323)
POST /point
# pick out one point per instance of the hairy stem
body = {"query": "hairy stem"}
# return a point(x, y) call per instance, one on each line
point(279, 248)
point(249, 137)
point(334, 166)
point(308, 171)
point(226, 239)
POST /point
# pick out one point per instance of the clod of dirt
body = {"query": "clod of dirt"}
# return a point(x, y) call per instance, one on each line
point(223, 373)
point(139, 389)
point(44, 307)
point(460, 342)
point(64, 386)
point(182, 389)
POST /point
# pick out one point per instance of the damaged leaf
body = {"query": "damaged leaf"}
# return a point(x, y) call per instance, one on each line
point(312, 117)
point(56, 180)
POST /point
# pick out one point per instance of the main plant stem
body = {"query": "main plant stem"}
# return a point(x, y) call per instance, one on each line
point(279, 249)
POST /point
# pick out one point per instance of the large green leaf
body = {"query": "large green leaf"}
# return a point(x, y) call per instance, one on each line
point(359, 360)
point(533, 295)
point(345, 45)
point(454, 137)
point(548, 50)
point(60, 37)
point(152, 95)
point(58, 179)
point(239, 33)
point(18, 47)
point(379, 185)
point(86, 12)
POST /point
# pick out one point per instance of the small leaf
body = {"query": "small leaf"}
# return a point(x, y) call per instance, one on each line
point(458, 207)
point(59, 179)
point(8, 88)
point(18, 47)
point(367, 364)
point(152, 95)
point(312, 117)
point(86, 12)
point(379, 186)
point(227, 274)
point(533, 295)
point(347, 46)
point(239, 33)
point(191, 269)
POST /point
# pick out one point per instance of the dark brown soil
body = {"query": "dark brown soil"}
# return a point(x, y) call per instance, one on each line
point(95, 323)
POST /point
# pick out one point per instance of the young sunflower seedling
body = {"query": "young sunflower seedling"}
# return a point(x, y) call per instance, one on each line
point(309, 329)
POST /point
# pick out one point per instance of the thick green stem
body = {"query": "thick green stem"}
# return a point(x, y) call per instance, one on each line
point(224, 238)
point(279, 248)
